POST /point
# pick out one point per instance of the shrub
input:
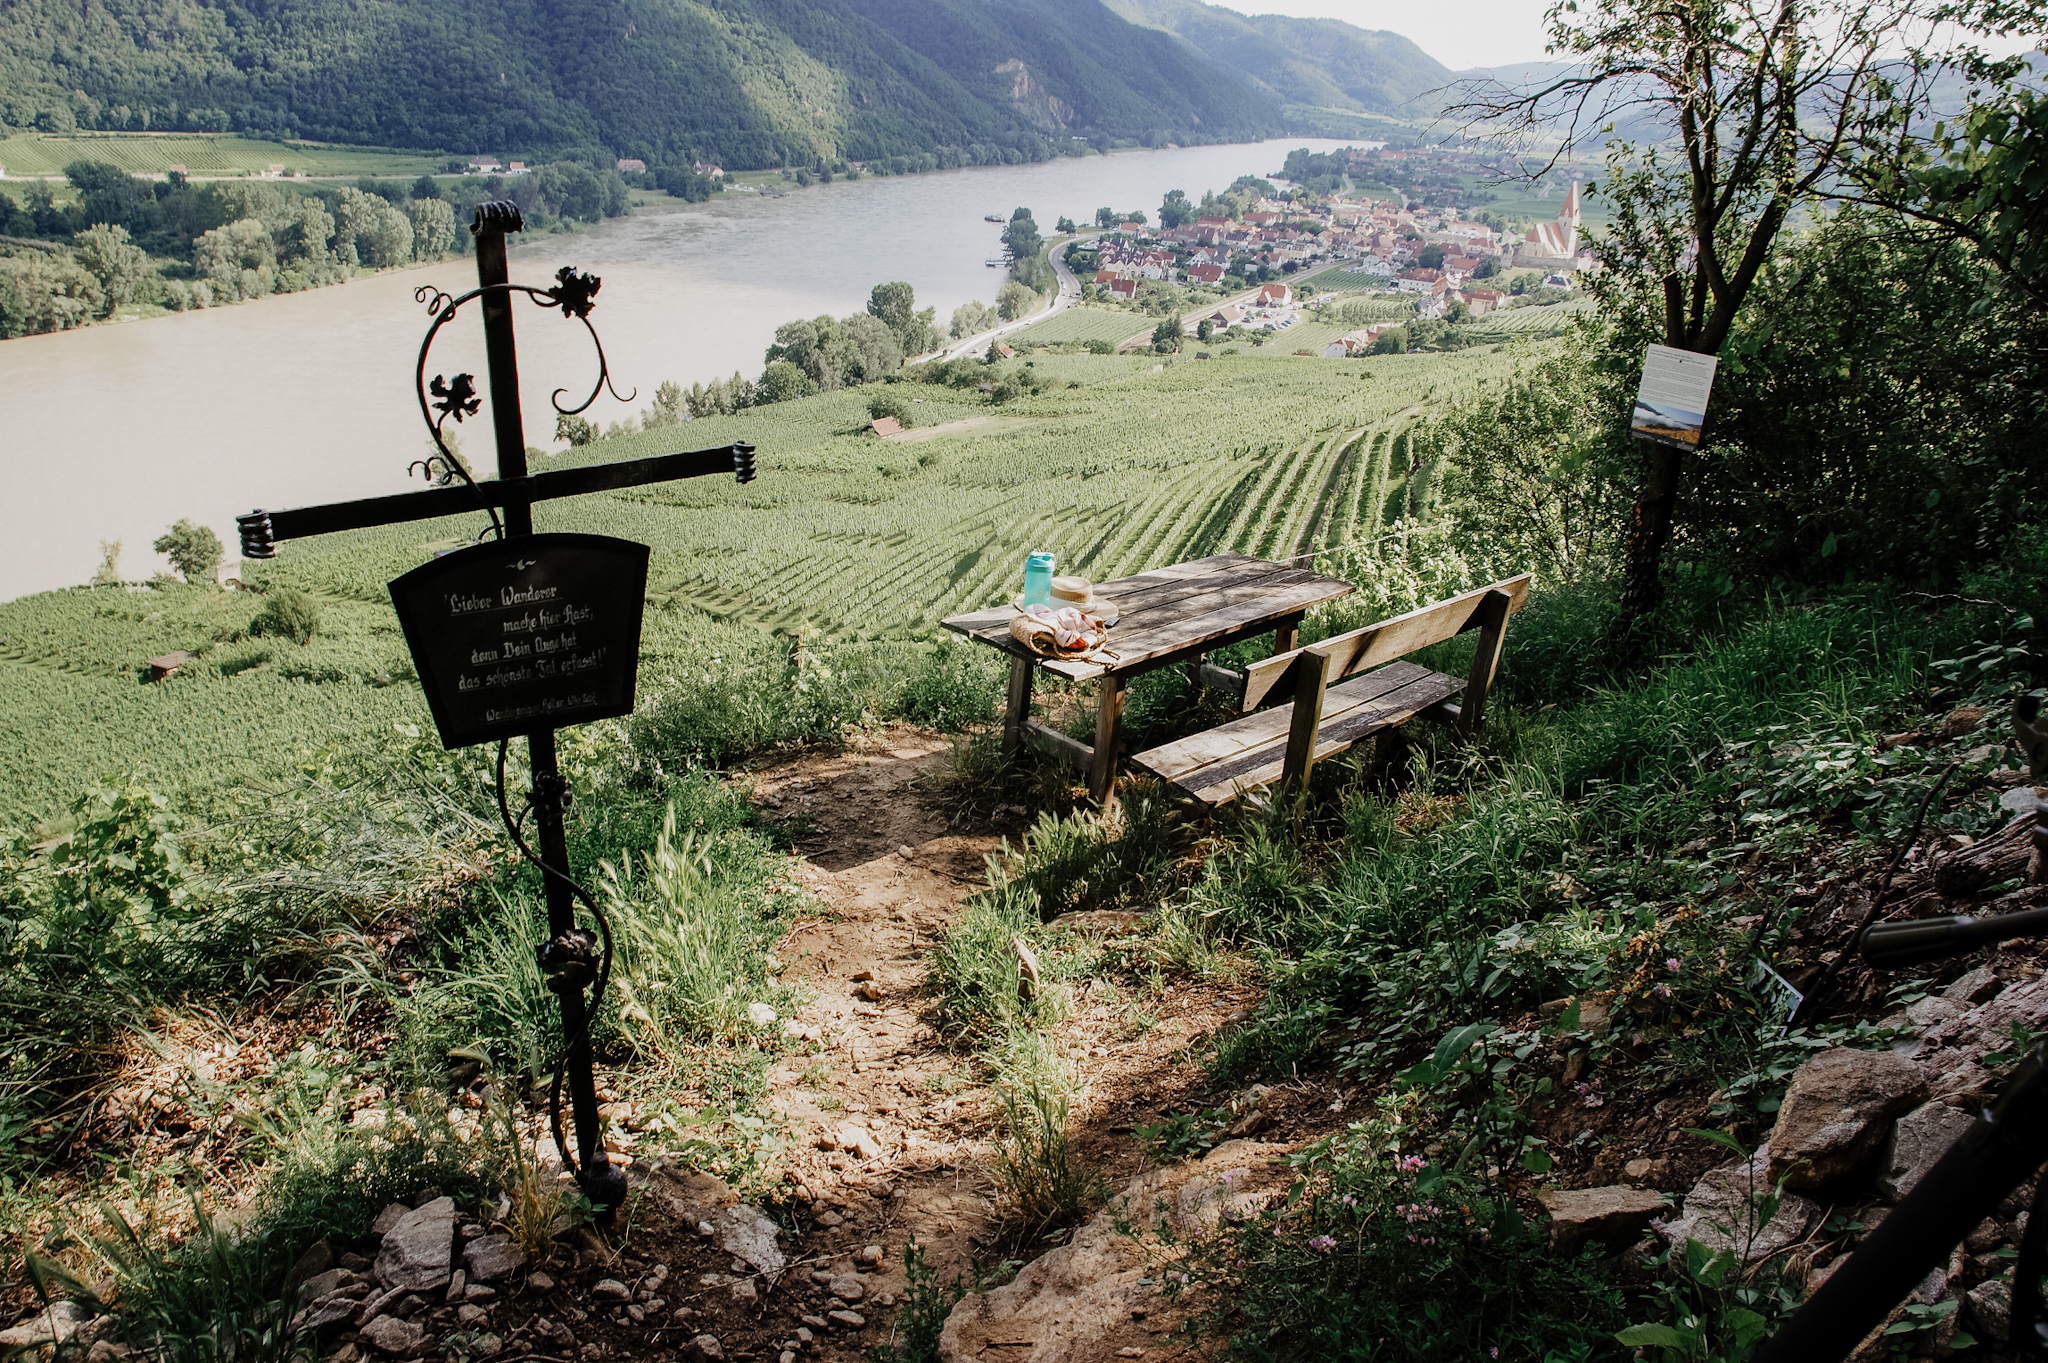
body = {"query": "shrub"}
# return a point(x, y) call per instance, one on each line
point(287, 613)
point(888, 404)
point(194, 550)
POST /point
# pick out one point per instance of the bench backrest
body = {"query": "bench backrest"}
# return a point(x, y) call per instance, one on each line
point(1383, 642)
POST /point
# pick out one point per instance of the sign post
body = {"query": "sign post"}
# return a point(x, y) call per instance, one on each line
point(522, 634)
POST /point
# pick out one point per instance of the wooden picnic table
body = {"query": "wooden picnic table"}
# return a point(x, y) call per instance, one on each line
point(1165, 616)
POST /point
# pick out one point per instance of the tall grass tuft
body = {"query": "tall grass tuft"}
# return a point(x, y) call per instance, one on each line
point(1041, 1187)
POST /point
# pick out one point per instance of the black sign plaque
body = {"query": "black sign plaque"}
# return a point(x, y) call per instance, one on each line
point(525, 634)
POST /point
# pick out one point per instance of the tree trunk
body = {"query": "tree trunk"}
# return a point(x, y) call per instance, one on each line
point(1649, 530)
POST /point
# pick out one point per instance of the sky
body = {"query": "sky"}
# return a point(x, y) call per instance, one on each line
point(1465, 34)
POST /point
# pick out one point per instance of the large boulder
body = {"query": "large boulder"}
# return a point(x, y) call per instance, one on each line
point(1724, 1212)
point(1612, 1216)
point(1837, 1110)
point(417, 1250)
point(1075, 1302)
point(1917, 1141)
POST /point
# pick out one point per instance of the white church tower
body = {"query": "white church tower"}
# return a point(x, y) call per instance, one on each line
point(1553, 243)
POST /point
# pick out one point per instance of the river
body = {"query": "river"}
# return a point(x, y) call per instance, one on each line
point(113, 432)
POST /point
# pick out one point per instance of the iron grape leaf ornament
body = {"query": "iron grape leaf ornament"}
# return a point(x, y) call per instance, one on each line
point(575, 291)
point(458, 398)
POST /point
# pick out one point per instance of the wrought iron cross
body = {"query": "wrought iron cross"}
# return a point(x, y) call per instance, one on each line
point(570, 960)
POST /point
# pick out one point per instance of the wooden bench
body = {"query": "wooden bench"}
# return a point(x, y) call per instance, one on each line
point(1327, 714)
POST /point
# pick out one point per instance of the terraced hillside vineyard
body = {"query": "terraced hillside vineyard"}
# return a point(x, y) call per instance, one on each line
point(1119, 463)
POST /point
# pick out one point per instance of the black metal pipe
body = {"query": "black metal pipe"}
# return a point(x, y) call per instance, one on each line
point(601, 1183)
point(333, 517)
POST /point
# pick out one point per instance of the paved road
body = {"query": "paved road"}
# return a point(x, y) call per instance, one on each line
point(1065, 296)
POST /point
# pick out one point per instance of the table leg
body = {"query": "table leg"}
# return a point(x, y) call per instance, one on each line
point(1017, 708)
point(1109, 713)
point(1286, 634)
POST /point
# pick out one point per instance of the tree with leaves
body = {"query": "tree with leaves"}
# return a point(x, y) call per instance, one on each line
point(194, 550)
point(109, 256)
point(1747, 110)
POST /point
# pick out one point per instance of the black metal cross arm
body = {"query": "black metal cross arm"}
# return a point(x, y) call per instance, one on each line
point(261, 530)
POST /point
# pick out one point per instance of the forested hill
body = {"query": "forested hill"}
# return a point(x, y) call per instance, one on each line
point(1305, 63)
point(747, 83)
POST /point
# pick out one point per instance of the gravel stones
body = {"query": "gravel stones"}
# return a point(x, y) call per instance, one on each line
point(1837, 1111)
point(706, 1349)
point(611, 1289)
point(851, 1320)
point(1613, 1216)
point(847, 1289)
point(389, 1334)
point(417, 1247)
point(1918, 1140)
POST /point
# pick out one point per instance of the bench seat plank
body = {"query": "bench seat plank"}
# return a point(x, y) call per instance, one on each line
point(1213, 766)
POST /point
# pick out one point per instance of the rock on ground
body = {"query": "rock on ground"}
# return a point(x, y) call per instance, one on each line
point(1613, 1216)
point(1917, 1141)
point(1074, 1303)
point(58, 1323)
point(1991, 1309)
point(417, 1249)
point(1720, 1212)
point(394, 1336)
point(1836, 1111)
point(747, 1232)
point(492, 1257)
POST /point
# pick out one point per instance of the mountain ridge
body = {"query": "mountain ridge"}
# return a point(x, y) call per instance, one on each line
point(747, 83)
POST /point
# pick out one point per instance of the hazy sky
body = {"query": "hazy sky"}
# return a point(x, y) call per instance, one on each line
point(1460, 34)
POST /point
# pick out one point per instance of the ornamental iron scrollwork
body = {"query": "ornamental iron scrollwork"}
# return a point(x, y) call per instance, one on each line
point(575, 293)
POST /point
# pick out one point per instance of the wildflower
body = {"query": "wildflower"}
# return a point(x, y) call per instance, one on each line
point(1662, 991)
point(1323, 1242)
point(1671, 964)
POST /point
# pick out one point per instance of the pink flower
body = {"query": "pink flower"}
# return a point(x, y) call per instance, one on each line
point(1662, 991)
point(1323, 1242)
point(1671, 964)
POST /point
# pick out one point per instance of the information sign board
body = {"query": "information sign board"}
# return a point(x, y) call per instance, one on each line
point(518, 635)
point(1671, 406)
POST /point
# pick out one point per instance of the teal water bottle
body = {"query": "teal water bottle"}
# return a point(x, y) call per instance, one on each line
point(1038, 579)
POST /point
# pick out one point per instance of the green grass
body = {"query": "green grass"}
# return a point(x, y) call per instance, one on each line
point(1085, 323)
point(206, 155)
point(860, 545)
point(1343, 279)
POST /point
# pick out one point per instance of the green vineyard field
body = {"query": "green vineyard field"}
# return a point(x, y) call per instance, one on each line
point(203, 154)
point(1086, 324)
point(843, 536)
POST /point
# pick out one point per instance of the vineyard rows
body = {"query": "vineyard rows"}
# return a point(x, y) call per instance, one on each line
point(32, 154)
point(1085, 323)
point(842, 536)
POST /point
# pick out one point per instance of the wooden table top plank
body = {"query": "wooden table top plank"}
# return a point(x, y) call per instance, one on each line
point(1165, 593)
point(1166, 612)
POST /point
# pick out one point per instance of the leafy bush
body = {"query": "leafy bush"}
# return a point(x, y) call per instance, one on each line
point(287, 613)
point(194, 550)
point(957, 687)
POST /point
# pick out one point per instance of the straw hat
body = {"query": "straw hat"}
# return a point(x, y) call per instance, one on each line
point(1077, 592)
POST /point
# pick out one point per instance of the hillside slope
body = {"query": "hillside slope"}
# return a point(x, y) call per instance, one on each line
point(1318, 63)
point(749, 83)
